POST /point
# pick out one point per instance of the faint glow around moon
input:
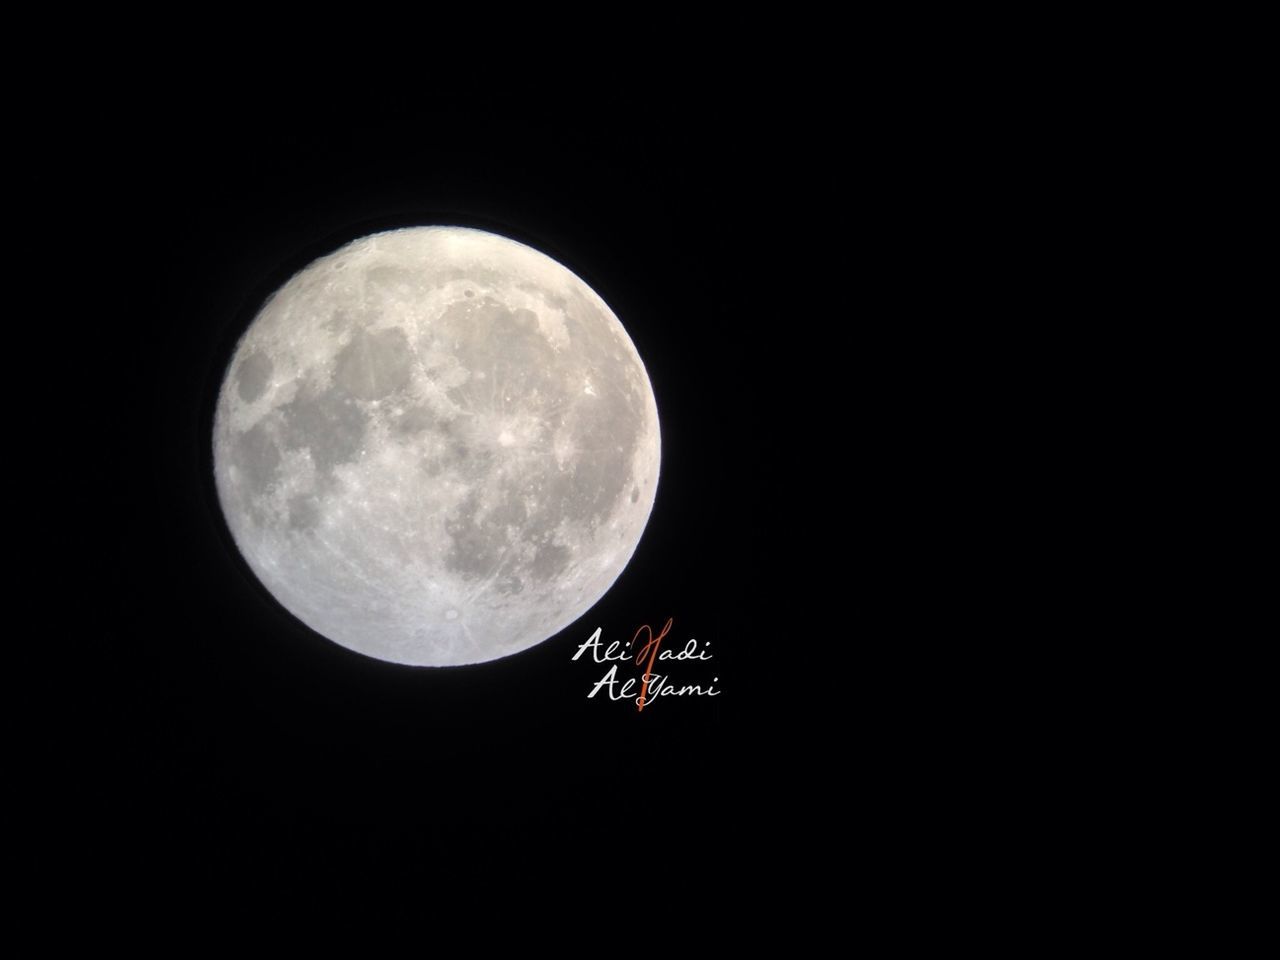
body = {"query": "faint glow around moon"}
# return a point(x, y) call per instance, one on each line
point(436, 446)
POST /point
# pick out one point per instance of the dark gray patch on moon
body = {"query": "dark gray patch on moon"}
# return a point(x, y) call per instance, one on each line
point(549, 560)
point(374, 365)
point(475, 547)
point(505, 346)
point(605, 433)
point(253, 376)
point(450, 448)
point(510, 512)
point(304, 513)
point(255, 456)
point(329, 424)
point(433, 466)
point(481, 540)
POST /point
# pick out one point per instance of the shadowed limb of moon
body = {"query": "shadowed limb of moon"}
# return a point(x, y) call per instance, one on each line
point(436, 446)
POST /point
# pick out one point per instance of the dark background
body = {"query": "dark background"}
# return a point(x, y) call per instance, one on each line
point(235, 741)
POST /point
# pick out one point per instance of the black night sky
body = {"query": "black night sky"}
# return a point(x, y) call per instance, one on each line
point(237, 743)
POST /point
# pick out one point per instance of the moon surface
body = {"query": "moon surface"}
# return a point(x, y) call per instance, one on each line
point(436, 446)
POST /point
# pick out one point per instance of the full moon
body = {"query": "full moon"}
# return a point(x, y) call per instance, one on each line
point(436, 446)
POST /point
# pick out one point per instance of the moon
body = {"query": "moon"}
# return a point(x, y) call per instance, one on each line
point(436, 446)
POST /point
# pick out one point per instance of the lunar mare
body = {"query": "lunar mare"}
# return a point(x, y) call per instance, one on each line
point(436, 446)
